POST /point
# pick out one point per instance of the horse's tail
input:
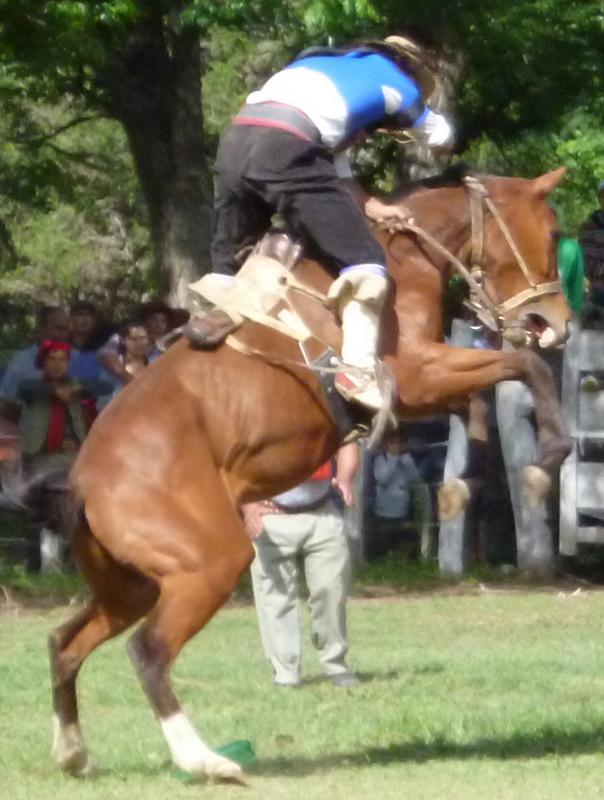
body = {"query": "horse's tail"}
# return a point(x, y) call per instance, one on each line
point(45, 497)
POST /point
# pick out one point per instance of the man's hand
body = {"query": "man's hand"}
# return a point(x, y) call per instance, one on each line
point(345, 489)
point(348, 460)
point(66, 391)
point(252, 519)
point(392, 217)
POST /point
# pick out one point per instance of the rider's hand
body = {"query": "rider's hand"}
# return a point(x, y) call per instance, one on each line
point(388, 216)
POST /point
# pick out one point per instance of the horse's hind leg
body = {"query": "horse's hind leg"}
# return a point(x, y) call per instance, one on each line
point(101, 619)
point(187, 601)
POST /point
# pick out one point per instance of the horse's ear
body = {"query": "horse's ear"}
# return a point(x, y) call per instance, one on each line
point(545, 184)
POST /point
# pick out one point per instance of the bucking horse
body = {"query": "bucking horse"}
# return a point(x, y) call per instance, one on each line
point(157, 488)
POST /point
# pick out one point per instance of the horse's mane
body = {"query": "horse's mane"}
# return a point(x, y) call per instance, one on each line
point(452, 176)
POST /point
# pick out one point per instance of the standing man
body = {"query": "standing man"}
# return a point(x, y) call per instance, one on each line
point(305, 523)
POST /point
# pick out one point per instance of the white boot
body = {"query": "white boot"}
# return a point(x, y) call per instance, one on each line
point(360, 297)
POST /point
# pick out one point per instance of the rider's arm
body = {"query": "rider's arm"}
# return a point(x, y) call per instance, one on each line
point(433, 129)
point(374, 208)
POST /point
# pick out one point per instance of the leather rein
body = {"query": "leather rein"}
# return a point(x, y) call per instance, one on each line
point(488, 311)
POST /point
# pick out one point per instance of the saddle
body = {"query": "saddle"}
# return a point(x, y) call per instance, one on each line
point(267, 291)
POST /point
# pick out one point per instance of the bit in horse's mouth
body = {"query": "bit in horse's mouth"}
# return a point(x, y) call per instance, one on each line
point(541, 331)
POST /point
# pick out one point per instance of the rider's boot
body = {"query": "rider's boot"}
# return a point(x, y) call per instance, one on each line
point(213, 325)
point(359, 297)
point(211, 328)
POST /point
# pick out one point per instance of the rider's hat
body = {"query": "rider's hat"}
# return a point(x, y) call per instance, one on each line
point(420, 63)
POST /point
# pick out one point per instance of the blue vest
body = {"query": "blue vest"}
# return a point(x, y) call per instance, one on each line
point(358, 78)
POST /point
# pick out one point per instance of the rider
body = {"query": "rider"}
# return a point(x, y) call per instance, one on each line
point(285, 152)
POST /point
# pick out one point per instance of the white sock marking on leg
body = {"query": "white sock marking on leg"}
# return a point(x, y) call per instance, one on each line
point(189, 752)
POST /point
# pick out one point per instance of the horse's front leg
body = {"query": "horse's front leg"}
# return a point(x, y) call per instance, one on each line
point(436, 377)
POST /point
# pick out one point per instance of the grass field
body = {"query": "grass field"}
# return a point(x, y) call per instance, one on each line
point(498, 694)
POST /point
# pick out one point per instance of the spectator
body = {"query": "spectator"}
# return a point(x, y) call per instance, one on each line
point(53, 423)
point(591, 238)
point(304, 523)
point(84, 321)
point(87, 334)
point(132, 349)
point(395, 474)
point(157, 319)
point(52, 323)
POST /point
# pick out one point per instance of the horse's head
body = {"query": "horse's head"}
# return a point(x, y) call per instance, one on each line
point(519, 263)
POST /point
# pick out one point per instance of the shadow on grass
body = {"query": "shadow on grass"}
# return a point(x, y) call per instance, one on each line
point(364, 677)
point(540, 744)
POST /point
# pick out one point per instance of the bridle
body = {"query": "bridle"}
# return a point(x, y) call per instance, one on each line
point(490, 313)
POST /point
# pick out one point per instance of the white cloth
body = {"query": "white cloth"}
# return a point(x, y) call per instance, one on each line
point(434, 129)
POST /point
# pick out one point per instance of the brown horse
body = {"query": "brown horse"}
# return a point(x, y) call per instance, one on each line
point(166, 467)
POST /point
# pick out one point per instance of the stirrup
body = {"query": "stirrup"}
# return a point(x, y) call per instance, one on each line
point(376, 393)
point(360, 389)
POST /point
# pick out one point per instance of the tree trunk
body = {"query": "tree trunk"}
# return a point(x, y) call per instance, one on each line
point(154, 90)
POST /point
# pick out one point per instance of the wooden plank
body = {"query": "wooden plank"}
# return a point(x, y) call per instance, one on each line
point(568, 505)
point(591, 411)
point(590, 535)
point(590, 486)
point(590, 350)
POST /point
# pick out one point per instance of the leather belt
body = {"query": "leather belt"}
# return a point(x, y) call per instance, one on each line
point(280, 116)
point(275, 508)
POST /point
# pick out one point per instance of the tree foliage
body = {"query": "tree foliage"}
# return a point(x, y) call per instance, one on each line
point(85, 88)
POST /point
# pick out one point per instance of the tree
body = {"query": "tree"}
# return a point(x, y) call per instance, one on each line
point(141, 65)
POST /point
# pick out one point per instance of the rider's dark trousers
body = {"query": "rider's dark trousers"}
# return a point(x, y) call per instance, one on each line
point(263, 170)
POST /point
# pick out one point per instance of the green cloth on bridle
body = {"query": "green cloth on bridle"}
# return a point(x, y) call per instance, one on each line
point(571, 266)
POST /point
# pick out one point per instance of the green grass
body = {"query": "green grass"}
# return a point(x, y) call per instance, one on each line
point(393, 574)
point(494, 695)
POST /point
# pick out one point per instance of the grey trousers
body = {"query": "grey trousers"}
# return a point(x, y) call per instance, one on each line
point(317, 540)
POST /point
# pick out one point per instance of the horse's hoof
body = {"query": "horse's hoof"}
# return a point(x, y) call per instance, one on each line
point(75, 762)
point(69, 751)
point(453, 497)
point(537, 485)
point(222, 770)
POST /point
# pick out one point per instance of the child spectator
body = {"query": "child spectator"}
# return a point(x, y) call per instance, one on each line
point(395, 474)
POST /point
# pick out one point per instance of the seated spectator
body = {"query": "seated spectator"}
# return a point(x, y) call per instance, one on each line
point(132, 353)
point(157, 319)
point(52, 323)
